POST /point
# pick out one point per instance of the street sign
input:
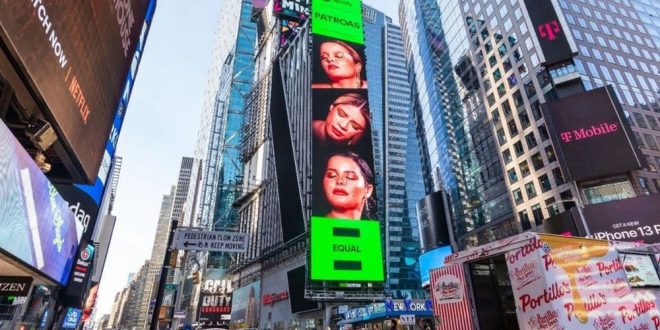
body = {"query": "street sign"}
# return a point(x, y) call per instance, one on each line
point(407, 319)
point(218, 241)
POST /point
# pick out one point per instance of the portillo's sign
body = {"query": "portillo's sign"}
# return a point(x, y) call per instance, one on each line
point(270, 299)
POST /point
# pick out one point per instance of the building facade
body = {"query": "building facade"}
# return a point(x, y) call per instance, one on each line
point(497, 71)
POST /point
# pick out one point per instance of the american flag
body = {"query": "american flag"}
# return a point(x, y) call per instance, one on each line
point(451, 309)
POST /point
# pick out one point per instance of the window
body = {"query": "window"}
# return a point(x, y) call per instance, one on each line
point(518, 99)
point(506, 107)
point(537, 161)
point(538, 214)
point(501, 136)
point(491, 99)
point(559, 178)
point(524, 220)
point(543, 132)
point(550, 153)
point(544, 182)
point(543, 78)
point(551, 206)
point(522, 70)
point(518, 148)
point(518, 197)
point(513, 176)
point(524, 119)
point(492, 61)
point(507, 156)
point(524, 168)
point(497, 74)
point(513, 128)
point(501, 90)
point(531, 140)
point(650, 142)
point(529, 89)
point(496, 115)
point(640, 120)
point(536, 110)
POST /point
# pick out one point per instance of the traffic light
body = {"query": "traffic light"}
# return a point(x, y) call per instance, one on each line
point(196, 277)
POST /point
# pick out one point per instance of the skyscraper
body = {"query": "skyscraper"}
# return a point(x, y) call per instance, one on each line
point(232, 76)
point(494, 73)
point(171, 210)
point(456, 140)
point(157, 257)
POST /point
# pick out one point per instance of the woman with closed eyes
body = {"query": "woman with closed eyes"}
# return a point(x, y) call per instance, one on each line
point(347, 120)
point(342, 65)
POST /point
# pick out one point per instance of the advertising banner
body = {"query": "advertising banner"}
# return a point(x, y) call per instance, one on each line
point(633, 219)
point(71, 318)
point(296, 282)
point(549, 31)
point(574, 283)
point(245, 306)
point(76, 55)
point(345, 231)
point(80, 274)
point(592, 136)
point(15, 286)
point(38, 227)
point(430, 260)
point(450, 298)
point(433, 219)
point(215, 298)
point(297, 10)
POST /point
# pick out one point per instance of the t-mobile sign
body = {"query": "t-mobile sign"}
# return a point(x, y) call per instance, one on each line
point(549, 31)
point(594, 140)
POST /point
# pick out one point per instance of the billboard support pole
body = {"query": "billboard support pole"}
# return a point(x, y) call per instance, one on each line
point(163, 277)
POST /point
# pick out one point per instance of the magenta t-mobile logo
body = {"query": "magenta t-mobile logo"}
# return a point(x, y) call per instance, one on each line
point(589, 132)
point(549, 30)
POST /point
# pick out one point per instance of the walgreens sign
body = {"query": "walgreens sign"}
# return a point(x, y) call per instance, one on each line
point(587, 129)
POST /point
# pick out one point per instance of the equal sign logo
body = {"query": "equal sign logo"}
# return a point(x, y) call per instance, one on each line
point(352, 233)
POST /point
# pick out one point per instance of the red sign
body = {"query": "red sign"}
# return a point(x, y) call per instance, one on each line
point(270, 299)
point(450, 298)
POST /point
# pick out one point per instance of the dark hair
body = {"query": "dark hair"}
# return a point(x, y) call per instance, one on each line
point(369, 211)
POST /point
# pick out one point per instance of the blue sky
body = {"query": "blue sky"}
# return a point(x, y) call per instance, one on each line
point(161, 127)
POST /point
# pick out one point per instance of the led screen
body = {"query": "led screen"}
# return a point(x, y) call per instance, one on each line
point(76, 55)
point(640, 270)
point(340, 19)
point(593, 137)
point(345, 228)
point(291, 9)
point(37, 225)
point(430, 260)
point(346, 250)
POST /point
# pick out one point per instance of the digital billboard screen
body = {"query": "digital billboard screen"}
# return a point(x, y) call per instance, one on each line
point(297, 10)
point(215, 297)
point(430, 260)
point(37, 225)
point(339, 19)
point(593, 137)
point(549, 31)
point(296, 280)
point(345, 229)
point(76, 55)
point(433, 220)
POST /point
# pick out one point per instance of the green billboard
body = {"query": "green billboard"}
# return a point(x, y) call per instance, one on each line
point(340, 19)
point(346, 250)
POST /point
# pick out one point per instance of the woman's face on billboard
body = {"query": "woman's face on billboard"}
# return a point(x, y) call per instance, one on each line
point(345, 123)
point(338, 63)
point(345, 187)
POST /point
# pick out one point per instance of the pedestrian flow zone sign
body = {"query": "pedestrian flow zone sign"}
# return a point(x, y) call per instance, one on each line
point(218, 241)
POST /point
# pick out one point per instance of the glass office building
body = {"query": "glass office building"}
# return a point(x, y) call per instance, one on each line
point(497, 72)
